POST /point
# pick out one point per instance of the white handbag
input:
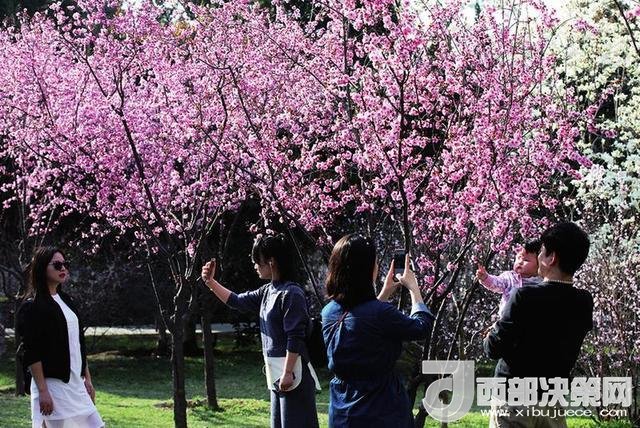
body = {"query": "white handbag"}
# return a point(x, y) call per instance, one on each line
point(274, 368)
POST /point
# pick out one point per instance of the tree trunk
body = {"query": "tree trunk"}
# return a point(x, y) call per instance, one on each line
point(208, 345)
point(3, 342)
point(177, 359)
point(190, 337)
point(162, 345)
point(21, 387)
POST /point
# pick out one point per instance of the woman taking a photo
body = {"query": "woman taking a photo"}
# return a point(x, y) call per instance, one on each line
point(364, 336)
point(282, 308)
point(53, 342)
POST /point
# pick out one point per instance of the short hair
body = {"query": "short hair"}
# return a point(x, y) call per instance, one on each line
point(533, 246)
point(569, 243)
point(350, 278)
point(280, 249)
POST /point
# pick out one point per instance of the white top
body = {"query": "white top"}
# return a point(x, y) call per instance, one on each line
point(69, 399)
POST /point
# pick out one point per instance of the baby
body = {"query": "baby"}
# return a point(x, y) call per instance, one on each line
point(525, 272)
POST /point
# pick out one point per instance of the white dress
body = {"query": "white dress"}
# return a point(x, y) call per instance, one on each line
point(72, 405)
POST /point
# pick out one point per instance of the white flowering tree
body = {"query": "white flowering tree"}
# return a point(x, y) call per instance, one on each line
point(601, 61)
point(600, 56)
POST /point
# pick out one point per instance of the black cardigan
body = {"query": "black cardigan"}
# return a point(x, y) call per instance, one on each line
point(45, 338)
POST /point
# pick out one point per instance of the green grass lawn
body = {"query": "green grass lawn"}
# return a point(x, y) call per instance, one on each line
point(134, 388)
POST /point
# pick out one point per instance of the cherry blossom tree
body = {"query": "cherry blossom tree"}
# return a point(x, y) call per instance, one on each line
point(102, 119)
point(361, 112)
point(415, 124)
point(448, 132)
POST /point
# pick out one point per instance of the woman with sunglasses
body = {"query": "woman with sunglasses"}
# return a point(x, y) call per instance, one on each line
point(62, 394)
point(364, 336)
point(284, 318)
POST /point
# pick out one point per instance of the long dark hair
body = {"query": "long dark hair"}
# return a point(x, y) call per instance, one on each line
point(280, 249)
point(351, 265)
point(37, 286)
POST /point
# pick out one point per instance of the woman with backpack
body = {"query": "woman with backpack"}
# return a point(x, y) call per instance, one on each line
point(284, 320)
point(62, 394)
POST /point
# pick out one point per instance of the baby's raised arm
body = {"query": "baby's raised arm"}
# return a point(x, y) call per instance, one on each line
point(497, 284)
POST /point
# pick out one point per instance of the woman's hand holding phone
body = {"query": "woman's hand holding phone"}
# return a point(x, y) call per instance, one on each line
point(208, 272)
point(408, 278)
point(390, 284)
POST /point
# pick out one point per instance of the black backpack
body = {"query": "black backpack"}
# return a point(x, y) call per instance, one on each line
point(315, 343)
point(314, 340)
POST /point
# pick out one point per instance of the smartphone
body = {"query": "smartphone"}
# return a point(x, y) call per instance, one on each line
point(398, 261)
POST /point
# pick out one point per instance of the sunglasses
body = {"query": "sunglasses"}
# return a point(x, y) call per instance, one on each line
point(60, 265)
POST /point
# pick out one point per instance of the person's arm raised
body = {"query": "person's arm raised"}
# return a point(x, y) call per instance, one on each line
point(208, 272)
point(419, 323)
point(248, 301)
point(495, 283)
point(408, 279)
point(390, 285)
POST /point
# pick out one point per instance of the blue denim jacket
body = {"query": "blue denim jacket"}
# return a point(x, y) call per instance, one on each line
point(363, 347)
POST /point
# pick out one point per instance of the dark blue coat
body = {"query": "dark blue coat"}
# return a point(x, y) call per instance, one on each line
point(283, 323)
point(282, 308)
point(362, 351)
